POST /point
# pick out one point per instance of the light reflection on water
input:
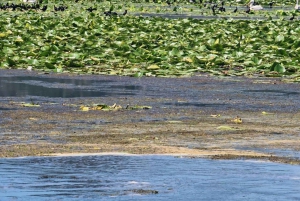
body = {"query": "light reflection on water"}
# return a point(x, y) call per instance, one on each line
point(138, 177)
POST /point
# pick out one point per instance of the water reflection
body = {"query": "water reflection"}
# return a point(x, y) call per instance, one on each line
point(194, 104)
point(20, 86)
point(139, 177)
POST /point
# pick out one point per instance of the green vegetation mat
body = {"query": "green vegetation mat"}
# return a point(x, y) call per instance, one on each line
point(81, 41)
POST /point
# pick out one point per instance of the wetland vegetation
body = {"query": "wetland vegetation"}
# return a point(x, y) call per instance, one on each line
point(68, 36)
point(180, 39)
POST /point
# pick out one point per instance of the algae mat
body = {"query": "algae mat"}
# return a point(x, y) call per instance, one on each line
point(199, 116)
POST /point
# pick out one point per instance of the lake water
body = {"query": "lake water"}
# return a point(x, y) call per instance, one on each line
point(21, 86)
point(113, 177)
point(196, 92)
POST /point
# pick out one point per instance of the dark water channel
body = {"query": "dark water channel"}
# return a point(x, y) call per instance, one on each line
point(200, 15)
point(145, 178)
point(18, 86)
point(196, 92)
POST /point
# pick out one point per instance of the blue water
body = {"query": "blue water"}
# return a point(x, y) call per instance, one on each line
point(121, 178)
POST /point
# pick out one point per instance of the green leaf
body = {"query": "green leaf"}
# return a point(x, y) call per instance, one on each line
point(10, 62)
point(279, 38)
point(277, 67)
point(153, 67)
point(49, 65)
point(30, 105)
point(33, 62)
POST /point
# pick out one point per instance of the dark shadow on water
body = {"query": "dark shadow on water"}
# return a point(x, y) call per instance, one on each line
point(21, 86)
point(2, 108)
point(193, 104)
point(198, 17)
point(279, 92)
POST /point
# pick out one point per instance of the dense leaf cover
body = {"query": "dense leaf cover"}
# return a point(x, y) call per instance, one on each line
point(80, 40)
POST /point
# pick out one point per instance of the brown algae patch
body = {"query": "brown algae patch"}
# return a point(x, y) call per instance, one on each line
point(72, 133)
point(105, 149)
point(271, 158)
point(195, 138)
point(188, 116)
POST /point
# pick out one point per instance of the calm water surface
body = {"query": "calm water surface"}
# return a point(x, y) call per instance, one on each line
point(21, 86)
point(139, 177)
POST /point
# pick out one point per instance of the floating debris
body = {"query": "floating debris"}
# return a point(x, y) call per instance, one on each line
point(237, 120)
point(112, 107)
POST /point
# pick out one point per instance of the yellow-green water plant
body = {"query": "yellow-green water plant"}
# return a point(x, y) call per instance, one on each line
point(90, 42)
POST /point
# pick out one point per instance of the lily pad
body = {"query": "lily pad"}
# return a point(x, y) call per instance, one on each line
point(153, 67)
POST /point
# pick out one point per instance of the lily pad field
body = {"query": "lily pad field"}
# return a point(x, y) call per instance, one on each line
point(154, 38)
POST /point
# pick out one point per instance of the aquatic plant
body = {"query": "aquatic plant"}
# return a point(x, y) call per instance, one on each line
point(82, 38)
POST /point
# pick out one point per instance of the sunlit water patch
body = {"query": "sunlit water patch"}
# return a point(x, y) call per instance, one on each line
point(145, 178)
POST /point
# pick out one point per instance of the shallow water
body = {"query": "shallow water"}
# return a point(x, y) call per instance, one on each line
point(195, 92)
point(206, 14)
point(20, 86)
point(278, 152)
point(275, 92)
point(140, 177)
